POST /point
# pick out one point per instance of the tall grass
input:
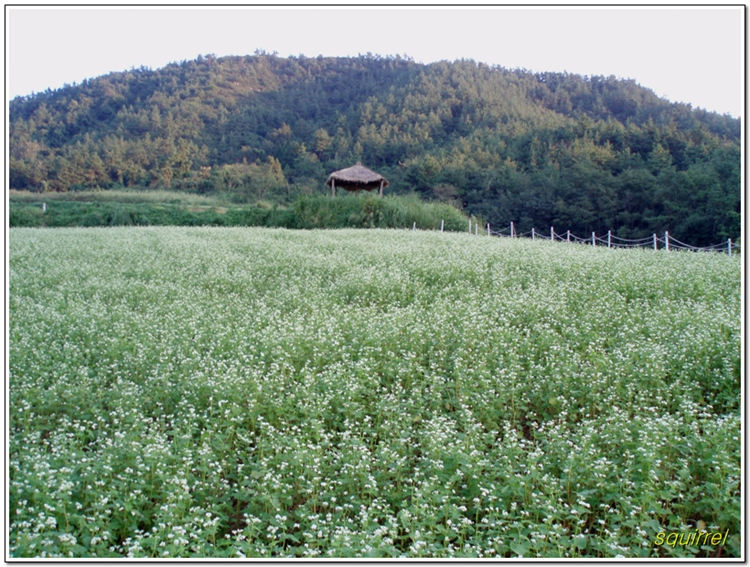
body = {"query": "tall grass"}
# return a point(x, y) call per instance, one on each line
point(162, 208)
point(71, 214)
point(370, 211)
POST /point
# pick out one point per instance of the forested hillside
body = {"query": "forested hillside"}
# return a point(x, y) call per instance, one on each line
point(540, 149)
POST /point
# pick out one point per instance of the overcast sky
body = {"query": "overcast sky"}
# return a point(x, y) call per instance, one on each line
point(687, 54)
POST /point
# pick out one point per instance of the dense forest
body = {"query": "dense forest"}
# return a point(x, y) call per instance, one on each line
point(540, 149)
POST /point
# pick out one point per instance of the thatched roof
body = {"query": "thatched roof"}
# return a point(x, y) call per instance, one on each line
point(356, 177)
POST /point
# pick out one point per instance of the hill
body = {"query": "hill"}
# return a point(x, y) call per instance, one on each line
point(540, 149)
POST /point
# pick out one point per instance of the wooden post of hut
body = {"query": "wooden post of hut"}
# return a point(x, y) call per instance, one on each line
point(356, 178)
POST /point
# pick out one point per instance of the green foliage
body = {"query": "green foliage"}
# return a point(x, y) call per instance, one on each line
point(152, 196)
point(229, 392)
point(175, 209)
point(374, 212)
point(540, 149)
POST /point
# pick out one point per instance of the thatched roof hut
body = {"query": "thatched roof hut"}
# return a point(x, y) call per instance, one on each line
point(356, 178)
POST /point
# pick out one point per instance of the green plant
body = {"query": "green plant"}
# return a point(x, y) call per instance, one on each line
point(226, 392)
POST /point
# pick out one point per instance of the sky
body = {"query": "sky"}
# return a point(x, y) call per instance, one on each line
point(694, 55)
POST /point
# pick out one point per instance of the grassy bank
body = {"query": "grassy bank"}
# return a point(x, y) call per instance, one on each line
point(162, 208)
point(131, 196)
point(222, 392)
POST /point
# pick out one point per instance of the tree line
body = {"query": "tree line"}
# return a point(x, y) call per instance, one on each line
point(540, 149)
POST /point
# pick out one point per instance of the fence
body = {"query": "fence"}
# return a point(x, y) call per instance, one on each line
point(612, 241)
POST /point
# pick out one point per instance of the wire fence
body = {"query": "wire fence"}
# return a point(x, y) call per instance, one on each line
point(609, 240)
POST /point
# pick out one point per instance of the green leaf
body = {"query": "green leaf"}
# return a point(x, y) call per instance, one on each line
point(521, 549)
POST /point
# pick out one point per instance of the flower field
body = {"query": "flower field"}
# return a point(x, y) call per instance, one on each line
point(253, 392)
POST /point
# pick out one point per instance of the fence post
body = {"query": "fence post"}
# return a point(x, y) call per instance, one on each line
point(442, 222)
point(568, 236)
point(414, 226)
point(476, 228)
point(729, 246)
point(655, 241)
point(593, 239)
point(469, 226)
point(44, 207)
point(512, 230)
point(666, 239)
point(533, 234)
point(552, 233)
point(488, 229)
point(609, 239)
